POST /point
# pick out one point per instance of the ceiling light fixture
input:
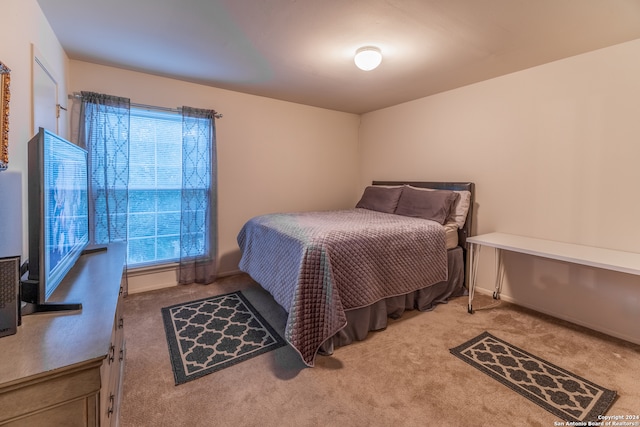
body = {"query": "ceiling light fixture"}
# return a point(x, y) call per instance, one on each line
point(367, 58)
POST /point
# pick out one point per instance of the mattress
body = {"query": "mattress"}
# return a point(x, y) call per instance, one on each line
point(451, 234)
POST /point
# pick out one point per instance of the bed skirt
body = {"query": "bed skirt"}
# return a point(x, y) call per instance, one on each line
point(361, 321)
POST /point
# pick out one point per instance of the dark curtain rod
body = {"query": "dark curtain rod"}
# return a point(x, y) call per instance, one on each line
point(153, 107)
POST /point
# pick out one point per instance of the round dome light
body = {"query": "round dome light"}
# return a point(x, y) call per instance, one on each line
point(367, 58)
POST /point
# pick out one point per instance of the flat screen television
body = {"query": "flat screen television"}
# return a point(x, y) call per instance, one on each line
point(58, 217)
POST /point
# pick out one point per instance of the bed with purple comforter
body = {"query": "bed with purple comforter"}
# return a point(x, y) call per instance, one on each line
point(327, 268)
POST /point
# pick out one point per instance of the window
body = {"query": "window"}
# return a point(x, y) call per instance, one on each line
point(152, 183)
point(155, 182)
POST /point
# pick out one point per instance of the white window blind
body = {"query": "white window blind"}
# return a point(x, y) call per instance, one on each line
point(155, 180)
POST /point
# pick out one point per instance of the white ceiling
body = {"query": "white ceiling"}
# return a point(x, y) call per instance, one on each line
point(302, 50)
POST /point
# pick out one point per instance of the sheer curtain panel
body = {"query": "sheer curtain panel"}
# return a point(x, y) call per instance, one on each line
point(198, 223)
point(104, 132)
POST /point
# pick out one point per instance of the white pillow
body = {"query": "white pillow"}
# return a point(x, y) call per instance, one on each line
point(460, 208)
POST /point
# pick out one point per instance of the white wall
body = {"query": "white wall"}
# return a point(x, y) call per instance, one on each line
point(24, 26)
point(272, 155)
point(554, 153)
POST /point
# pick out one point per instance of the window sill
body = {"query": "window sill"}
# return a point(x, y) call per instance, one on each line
point(141, 271)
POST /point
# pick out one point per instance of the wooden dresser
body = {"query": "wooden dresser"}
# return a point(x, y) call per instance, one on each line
point(65, 368)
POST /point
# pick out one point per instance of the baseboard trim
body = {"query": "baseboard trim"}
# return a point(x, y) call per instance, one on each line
point(136, 288)
point(570, 319)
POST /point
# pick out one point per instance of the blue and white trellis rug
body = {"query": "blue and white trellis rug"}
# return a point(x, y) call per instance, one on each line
point(213, 333)
point(557, 390)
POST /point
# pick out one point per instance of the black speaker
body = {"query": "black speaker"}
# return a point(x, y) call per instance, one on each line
point(9, 295)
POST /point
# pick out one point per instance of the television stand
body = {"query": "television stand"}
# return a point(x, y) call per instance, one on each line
point(29, 308)
point(28, 295)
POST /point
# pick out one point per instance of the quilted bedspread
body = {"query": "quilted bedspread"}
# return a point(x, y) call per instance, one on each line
point(319, 264)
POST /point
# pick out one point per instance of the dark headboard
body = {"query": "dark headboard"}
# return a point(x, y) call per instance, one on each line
point(465, 231)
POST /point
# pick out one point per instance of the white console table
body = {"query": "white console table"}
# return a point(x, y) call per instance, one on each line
point(608, 259)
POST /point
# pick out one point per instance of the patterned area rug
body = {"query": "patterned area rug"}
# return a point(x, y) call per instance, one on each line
point(213, 333)
point(557, 390)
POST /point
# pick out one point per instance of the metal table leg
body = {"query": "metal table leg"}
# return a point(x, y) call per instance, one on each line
point(474, 252)
point(499, 274)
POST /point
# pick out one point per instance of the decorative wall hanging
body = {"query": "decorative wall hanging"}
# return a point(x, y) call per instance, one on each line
point(4, 116)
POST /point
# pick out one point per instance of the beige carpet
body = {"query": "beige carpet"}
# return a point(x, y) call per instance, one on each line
point(403, 376)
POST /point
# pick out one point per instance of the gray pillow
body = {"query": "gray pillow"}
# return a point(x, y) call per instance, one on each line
point(381, 199)
point(434, 205)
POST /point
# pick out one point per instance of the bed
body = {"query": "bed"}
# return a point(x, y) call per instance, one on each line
point(341, 274)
